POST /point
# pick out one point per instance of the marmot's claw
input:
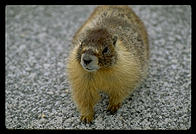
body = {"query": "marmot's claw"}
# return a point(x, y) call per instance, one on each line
point(113, 108)
point(86, 118)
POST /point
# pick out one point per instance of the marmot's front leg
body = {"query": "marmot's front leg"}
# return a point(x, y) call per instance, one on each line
point(85, 100)
point(87, 114)
point(114, 104)
point(115, 100)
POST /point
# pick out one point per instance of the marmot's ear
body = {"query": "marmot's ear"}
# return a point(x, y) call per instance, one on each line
point(114, 39)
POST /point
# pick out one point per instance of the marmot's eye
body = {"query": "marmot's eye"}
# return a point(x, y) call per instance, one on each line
point(105, 50)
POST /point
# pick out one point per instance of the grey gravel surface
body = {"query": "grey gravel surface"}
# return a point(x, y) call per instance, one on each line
point(38, 40)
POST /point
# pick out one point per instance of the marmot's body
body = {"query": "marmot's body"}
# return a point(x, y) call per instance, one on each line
point(110, 54)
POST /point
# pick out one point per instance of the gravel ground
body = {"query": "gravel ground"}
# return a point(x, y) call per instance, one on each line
point(38, 40)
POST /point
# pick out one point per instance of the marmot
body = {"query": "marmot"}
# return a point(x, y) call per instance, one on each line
point(110, 54)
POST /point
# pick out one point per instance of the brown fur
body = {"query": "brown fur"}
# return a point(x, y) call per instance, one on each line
point(117, 77)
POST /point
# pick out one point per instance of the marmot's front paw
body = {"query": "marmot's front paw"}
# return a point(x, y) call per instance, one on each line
point(112, 108)
point(86, 118)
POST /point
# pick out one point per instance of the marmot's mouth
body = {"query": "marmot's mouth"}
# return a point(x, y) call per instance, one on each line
point(90, 69)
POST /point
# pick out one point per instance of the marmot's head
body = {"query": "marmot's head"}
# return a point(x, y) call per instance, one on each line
point(97, 50)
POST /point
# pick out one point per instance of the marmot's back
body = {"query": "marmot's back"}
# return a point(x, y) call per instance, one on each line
point(123, 22)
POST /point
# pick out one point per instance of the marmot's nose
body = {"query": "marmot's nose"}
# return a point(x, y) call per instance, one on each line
point(87, 61)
